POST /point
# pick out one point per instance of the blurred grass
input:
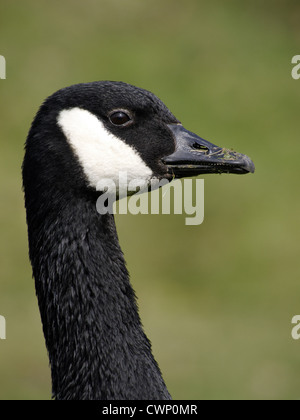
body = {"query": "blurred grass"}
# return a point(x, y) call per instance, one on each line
point(216, 300)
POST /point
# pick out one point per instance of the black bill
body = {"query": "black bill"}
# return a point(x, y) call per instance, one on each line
point(194, 156)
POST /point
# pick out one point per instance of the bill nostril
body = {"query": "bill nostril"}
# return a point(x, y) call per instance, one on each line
point(198, 146)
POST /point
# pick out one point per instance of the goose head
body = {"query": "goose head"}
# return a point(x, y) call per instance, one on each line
point(114, 127)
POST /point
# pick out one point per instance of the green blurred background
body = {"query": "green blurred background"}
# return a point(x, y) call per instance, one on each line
point(216, 299)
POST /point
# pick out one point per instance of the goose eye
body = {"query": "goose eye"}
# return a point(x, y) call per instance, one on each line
point(120, 118)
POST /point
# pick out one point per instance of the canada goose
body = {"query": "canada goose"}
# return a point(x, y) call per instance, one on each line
point(96, 344)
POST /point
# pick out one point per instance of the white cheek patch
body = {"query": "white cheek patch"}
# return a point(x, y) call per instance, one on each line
point(101, 154)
